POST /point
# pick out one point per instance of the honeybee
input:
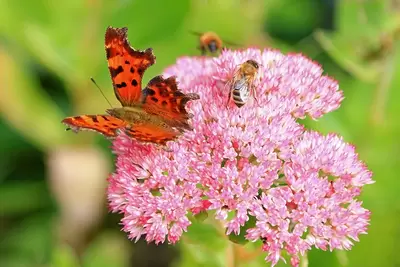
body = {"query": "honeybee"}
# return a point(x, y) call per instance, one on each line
point(242, 83)
point(210, 42)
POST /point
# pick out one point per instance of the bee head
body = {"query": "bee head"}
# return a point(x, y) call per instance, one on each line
point(253, 63)
point(212, 46)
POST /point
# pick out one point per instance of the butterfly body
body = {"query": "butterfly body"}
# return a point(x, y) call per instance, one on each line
point(134, 115)
point(155, 114)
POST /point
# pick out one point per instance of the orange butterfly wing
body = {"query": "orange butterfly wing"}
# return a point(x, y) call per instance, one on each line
point(104, 124)
point(162, 97)
point(152, 133)
point(126, 65)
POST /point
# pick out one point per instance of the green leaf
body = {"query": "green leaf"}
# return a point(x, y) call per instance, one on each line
point(45, 49)
point(202, 245)
point(64, 256)
point(205, 234)
point(29, 239)
point(150, 21)
point(110, 248)
point(26, 106)
point(197, 255)
point(26, 197)
point(339, 49)
point(389, 92)
point(240, 238)
point(201, 216)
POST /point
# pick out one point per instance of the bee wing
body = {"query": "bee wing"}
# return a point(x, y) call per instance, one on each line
point(231, 43)
point(196, 33)
point(240, 84)
point(240, 91)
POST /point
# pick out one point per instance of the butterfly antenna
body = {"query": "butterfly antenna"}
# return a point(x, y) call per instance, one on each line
point(98, 87)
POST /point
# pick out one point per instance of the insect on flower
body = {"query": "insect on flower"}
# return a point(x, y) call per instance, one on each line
point(242, 83)
point(155, 114)
point(210, 42)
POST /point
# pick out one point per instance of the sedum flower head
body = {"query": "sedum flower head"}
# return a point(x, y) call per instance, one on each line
point(255, 161)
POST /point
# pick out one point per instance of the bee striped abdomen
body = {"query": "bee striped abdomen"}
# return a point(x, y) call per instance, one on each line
point(240, 92)
point(242, 82)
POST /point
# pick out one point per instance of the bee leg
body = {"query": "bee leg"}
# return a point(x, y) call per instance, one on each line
point(255, 95)
point(227, 84)
point(229, 98)
point(203, 50)
point(167, 149)
point(253, 92)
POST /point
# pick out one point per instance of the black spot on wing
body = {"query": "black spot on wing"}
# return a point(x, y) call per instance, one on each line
point(163, 91)
point(156, 81)
point(108, 53)
point(140, 71)
point(114, 72)
point(121, 85)
point(134, 82)
point(148, 92)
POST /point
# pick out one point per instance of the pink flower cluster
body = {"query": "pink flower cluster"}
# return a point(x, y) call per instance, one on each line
point(254, 161)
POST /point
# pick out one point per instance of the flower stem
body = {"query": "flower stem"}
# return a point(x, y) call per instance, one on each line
point(230, 255)
point(382, 91)
point(304, 260)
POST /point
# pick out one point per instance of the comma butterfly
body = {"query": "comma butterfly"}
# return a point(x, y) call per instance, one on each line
point(155, 114)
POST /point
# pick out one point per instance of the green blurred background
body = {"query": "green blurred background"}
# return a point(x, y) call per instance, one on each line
point(53, 209)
